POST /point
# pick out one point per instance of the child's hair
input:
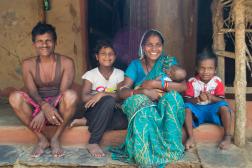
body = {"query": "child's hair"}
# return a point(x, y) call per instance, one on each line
point(103, 44)
point(42, 28)
point(204, 55)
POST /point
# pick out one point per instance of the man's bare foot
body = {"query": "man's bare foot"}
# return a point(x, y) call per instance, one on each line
point(78, 122)
point(225, 143)
point(56, 148)
point(40, 147)
point(95, 150)
point(190, 143)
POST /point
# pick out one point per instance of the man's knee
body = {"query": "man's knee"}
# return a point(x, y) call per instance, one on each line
point(70, 97)
point(15, 99)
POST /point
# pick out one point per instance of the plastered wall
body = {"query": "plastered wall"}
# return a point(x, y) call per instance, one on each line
point(17, 19)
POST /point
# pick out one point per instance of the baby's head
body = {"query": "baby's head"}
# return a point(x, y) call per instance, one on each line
point(206, 65)
point(176, 73)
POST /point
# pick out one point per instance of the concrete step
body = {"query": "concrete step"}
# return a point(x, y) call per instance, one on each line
point(13, 131)
point(79, 136)
point(18, 156)
point(203, 156)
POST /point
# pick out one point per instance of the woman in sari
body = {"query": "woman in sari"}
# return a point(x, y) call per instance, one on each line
point(154, 135)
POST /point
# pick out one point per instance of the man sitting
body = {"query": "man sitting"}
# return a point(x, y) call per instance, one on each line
point(49, 101)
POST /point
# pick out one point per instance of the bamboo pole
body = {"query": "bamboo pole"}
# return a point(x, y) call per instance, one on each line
point(229, 55)
point(218, 38)
point(240, 73)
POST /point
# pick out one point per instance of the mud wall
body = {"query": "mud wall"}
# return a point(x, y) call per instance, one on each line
point(17, 19)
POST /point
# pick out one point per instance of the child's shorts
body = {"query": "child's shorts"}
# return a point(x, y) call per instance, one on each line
point(206, 113)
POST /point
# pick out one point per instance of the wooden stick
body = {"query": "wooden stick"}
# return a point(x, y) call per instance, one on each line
point(233, 30)
point(240, 73)
point(232, 90)
point(218, 38)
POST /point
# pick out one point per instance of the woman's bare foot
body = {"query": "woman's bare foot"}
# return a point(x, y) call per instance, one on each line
point(56, 148)
point(225, 143)
point(78, 122)
point(190, 143)
point(95, 150)
point(40, 147)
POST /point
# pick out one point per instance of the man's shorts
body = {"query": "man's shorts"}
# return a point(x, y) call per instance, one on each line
point(54, 101)
point(206, 113)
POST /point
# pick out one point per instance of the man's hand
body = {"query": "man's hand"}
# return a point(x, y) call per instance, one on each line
point(38, 122)
point(94, 99)
point(51, 114)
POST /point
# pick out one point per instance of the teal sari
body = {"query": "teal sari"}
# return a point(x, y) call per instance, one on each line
point(154, 136)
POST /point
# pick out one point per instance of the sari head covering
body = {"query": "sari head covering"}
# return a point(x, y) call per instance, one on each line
point(146, 35)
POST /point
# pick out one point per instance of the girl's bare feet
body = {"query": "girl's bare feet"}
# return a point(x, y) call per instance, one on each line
point(225, 143)
point(95, 150)
point(190, 143)
point(78, 122)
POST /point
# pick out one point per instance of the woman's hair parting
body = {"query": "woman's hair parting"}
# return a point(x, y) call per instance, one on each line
point(103, 44)
point(149, 33)
point(206, 54)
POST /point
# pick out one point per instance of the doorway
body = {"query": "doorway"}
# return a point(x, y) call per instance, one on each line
point(105, 19)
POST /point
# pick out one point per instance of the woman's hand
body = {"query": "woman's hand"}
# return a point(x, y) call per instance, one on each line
point(51, 114)
point(153, 94)
point(151, 84)
point(124, 88)
point(94, 99)
point(124, 93)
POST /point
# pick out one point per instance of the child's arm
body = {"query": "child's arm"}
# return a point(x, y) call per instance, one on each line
point(219, 92)
point(91, 99)
point(213, 98)
point(202, 98)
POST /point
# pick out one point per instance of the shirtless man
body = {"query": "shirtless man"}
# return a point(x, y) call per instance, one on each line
point(49, 101)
